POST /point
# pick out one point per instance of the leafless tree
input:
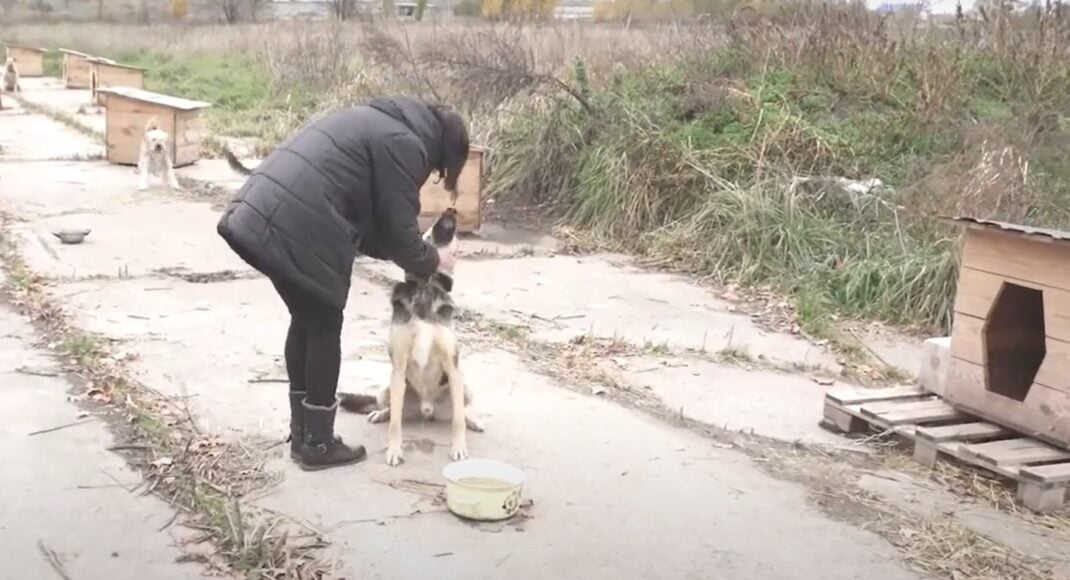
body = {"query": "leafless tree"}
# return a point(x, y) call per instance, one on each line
point(230, 10)
point(496, 64)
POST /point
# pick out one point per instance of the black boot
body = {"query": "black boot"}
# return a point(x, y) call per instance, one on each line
point(321, 449)
point(297, 423)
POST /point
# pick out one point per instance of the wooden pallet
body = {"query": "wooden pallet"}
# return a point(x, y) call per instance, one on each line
point(939, 430)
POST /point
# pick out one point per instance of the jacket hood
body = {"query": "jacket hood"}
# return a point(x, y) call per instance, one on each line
point(417, 116)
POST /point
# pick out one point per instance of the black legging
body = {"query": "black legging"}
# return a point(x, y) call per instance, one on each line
point(313, 344)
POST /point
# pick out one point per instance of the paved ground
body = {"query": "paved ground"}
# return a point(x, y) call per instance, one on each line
point(616, 493)
point(63, 488)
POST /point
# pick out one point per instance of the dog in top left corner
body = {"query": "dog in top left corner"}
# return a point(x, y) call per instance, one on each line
point(155, 156)
point(10, 77)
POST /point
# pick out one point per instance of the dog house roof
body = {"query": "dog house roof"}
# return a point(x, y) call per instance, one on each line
point(1009, 227)
point(156, 98)
point(112, 63)
point(24, 47)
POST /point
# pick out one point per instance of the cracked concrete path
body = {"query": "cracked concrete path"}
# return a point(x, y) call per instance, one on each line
point(63, 488)
point(616, 493)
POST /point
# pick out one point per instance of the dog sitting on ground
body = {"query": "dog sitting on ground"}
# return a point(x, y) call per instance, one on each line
point(10, 77)
point(155, 156)
point(424, 357)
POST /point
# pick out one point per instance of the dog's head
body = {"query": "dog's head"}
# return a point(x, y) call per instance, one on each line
point(9, 64)
point(155, 137)
point(426, 300)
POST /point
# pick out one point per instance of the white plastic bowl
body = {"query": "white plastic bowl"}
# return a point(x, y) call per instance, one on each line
point(483, 489)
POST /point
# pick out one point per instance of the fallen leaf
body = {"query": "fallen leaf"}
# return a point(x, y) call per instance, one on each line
point(823, 381)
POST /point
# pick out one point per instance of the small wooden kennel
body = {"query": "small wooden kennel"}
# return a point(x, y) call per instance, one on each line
point(128, 111)
point(434, 199)
point(104, 73)
point(1010, 340)
point(30, 60)
point(76, 67)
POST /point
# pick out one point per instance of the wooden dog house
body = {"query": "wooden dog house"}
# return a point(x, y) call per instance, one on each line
point(434, 199)
point(128, 111)
point(104, 73)
point(1010, 341)
point(76, 69)
point(30, 60)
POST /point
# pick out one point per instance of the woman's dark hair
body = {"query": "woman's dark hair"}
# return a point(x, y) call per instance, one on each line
point(454, 145)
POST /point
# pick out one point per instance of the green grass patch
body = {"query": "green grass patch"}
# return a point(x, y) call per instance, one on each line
point(700, 164)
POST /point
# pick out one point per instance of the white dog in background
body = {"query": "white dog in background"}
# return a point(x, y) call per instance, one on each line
point(155, 156)
point(9, 78)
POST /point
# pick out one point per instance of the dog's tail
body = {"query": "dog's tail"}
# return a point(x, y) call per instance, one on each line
point(422, 342)
point(152, 125)
point(353, 403)
point(234, 163)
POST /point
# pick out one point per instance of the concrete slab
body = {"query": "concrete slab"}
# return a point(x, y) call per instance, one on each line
point(215, 171)
point(900, 351)
point(50, 92)
point(72, 187)
point(935, 361)
point(209, 340)
point(223, 342)
point(565, 296)
point(36, 137)
point(772, 404)
point(132, 241)
point(58, 486)
point(495, 241)
point(616, 495)
point(10, 106)
point(97, 122)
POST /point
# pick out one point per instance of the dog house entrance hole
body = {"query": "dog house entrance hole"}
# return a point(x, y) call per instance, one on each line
point(1014, 341)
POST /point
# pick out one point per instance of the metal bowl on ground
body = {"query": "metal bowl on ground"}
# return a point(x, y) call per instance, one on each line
point(71, 236)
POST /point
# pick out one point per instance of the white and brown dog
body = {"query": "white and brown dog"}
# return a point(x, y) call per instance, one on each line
point(424, 357)
point(9, 79)
point(155, 156)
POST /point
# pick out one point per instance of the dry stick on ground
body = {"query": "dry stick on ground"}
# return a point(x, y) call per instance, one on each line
point(64, 426)
point(53, 560)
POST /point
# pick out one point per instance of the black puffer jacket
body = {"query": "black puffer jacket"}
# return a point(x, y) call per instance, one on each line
point(347, 182)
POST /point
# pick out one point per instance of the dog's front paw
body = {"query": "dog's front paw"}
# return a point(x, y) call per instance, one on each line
point(474, 424)
point(142, 188)
point(394, 457)
point(458, 452)
point(378, 416)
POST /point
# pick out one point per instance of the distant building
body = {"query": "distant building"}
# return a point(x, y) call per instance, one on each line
point(323, 9)
point(575, 12)
point(301, 9)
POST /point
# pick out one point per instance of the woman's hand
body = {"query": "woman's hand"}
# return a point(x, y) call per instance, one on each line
point(446, 261)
